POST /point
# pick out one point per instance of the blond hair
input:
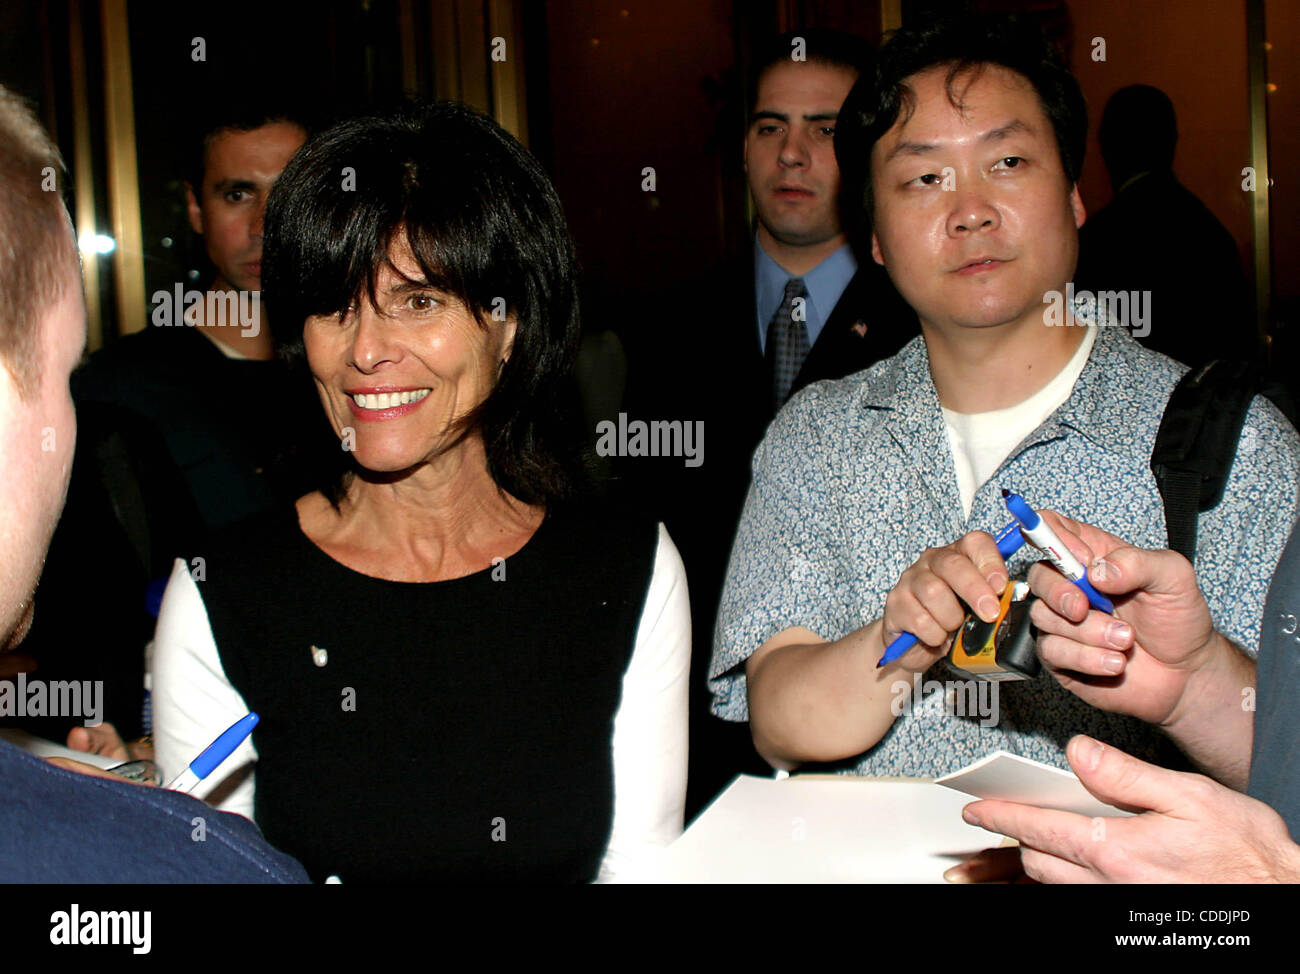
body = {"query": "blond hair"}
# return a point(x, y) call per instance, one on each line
point(36, 242)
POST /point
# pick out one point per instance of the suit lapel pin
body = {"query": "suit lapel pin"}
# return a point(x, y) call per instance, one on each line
point(319, 656)
point(860, 327)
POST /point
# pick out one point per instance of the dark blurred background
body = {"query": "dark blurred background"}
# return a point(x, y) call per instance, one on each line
point(600, 91)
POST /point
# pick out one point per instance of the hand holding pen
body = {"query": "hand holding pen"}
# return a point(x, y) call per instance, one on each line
point(1040, 534)
point(1161, 639)
point(929, 602)
point(1027, 526)
point(144, 772)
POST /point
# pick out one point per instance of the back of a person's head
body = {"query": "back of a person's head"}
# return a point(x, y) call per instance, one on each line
point(36, 242)
point(960, 44)
point(830, 48)
point(1138, 132)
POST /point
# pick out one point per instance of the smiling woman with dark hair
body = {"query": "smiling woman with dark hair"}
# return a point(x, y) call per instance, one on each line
point(476, 220)
point(465, 671)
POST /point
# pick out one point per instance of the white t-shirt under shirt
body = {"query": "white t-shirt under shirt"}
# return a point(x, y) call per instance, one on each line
point(981, 441)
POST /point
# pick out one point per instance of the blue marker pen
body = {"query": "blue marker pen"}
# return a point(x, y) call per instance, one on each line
point(1039, 534)
point(214, 754)
point(1008, 540)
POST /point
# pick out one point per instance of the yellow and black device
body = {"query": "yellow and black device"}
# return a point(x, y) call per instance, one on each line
point(1002, 649)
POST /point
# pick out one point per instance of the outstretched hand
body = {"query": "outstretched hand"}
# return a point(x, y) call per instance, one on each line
point(1139, 660)
point(1192, 829)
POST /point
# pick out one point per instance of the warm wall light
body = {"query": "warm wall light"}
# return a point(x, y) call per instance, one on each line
point(96, 243)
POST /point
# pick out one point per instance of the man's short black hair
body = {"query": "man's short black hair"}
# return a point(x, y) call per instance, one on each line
point(961, 44)
point(239, 110)
point(483, 223)
point(831, 47)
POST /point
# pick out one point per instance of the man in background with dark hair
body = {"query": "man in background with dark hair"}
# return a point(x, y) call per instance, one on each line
point(56, 826)
point(969, 141)
point(797, 308)
point(1196, 315)
point(203, 370)
point(818, 314)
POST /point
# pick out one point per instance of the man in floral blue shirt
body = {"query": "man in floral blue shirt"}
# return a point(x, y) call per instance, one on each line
point(874, 497)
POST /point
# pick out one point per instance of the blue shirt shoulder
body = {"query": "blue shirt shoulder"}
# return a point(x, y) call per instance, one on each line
point(60, 827)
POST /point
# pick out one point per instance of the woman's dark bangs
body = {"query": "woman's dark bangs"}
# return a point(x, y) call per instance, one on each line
point(446, 253)
point(354, 258)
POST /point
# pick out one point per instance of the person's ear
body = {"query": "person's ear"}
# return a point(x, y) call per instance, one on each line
point(1076, 205)
point(876, 253)
point(193, 209)
point(508, 338)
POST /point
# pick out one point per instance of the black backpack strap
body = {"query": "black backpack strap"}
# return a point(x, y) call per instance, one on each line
point(1197, 442)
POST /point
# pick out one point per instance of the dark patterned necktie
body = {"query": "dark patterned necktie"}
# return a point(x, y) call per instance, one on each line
point(787, 342)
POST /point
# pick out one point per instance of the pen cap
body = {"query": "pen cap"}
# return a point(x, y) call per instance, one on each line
point(1022, 512)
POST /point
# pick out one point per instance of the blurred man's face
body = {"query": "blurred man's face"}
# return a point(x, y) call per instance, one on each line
point(975, 219)
point(790, 151)
point(37, 438)
point(238, 172)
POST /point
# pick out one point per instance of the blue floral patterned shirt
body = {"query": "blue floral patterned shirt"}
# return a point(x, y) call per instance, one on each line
point(855, 478)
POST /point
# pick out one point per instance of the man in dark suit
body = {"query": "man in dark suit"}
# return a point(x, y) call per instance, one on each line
point(795, 309)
